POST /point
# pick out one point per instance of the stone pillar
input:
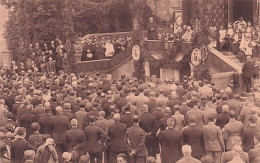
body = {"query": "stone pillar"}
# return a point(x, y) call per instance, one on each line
point(191, 69)
point(146, 68)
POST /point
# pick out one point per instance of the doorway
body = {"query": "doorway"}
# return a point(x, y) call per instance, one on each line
point(243, 8)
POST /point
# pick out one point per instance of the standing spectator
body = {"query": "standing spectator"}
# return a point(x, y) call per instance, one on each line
point(170, 141)
point(3, 112)
point(19, 145)
point(75, 139)
point(148, 123)
point(179, 118)
point(81, 116)
point(3, 153)
point(59, 60)
point(248, 134)
point(59, 125)
point(116, 134)
point(95, 137)
point(231, 129)
point(36, 139)
point(47, 152)
point(214, 143)
point(186, 150)
point(247, 73)
point(195, 111)
point(27, 119)
point(45, 121)
point(255, 152)
point(223, 117)
point(193, 136)
point(134, 141)
point(50, 67)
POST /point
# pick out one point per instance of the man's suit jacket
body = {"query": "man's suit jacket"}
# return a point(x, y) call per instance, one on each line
point(104, 124)
point(134, 140)
point(193, 136)
point(248, 138)
point(152, 105)
point(94, 136)
point(27, 119)
point(148, 122)
point(45, 123)
point(59, 61)
point(17, 149)
point(116, 133)
point(170, 141)
point(199, 115)
point(74, 138)
point(59, 125)
point(253, 153)
point(222, 119)
point(127, 119)
point(158, 113)
point(233, 128)
point(82, 117)
point(213, 138)
point(247, 69)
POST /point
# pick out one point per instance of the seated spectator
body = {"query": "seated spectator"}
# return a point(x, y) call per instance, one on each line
point(109, 49)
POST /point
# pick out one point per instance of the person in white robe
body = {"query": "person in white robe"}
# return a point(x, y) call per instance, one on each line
point(109, 49)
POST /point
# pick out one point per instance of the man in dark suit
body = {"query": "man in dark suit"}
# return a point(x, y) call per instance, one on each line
point(214, 143)
point(116, 133)
point(45, 121)
point(27, 119)
point(134, 142)
point(152, 103)
point(59, 125)
point(170, 141)
point(127, 117)
point(247, 73)
point(223, 117)
point(59, 61)
point(248, 134)
point(148, 123)
point(19, 145)
point(75, 138)
point(193, 136)
point(254, 153)
point(95, 138)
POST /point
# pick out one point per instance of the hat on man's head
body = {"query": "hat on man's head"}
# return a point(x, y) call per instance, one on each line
point(49, 141)
point(66, 156)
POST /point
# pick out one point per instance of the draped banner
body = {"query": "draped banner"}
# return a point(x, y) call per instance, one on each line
point(216, 12)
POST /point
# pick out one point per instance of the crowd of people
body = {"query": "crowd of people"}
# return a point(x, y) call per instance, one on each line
point(95, 49)
point(64, 117)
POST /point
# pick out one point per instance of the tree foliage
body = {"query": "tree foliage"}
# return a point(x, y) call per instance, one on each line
point(32, 21)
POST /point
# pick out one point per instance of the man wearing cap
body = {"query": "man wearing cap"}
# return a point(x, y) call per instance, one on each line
point(249, 133)
point(255, 152)
point(214, 143)
point(67, 111)
point(247, 111)
point(95, 138)
point(75, 138)
point(223, 117)
point(193, 136)
point(126, 117)
point(170, 141)
point(247, 73)
point(134, 142)
point(116, 133)
point(19, 145)
point(47, 152)
point(187, 155)
point(121, 158)
point(59, 125)
point(231, 129)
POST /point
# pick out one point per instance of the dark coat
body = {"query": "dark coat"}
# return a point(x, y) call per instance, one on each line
point(94, 135)
point(134, 140)
point(247, 69)
point(27, 119)
point(74, 138)
point(58, 61)
point(152, 104)
point(148, 122)
point(127, 119)
point(193, 136)
point(116, 133)
point(45, 123)
point(222, 119)
point(170, 141)
point(248, 138)
point(59, 125)
point(158, 113)
point(17, 149)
